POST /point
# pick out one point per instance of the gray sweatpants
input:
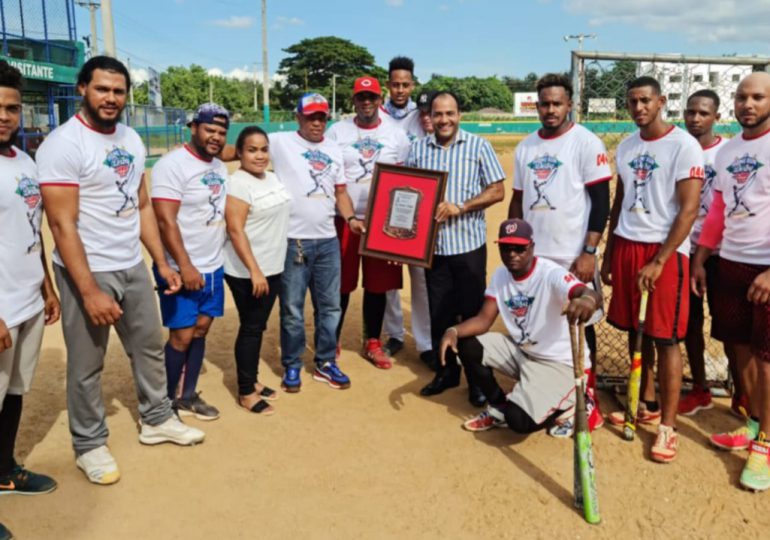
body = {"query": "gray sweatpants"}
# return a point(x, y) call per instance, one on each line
point(139, 330)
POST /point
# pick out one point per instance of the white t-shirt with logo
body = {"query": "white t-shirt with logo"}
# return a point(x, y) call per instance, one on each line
point(107, 168)
point(310, 171)
point(707, 189)
point(410, 123)
point(650, 171)
point(531, 309)
point(200, 188)
point(267, 222)
point(21, 211)
point(361, 149)
point(743, 177)
point(553, 174)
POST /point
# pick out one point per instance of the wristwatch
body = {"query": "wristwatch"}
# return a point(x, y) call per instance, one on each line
point(461, 206)
point(591, 250)
point(351, 218)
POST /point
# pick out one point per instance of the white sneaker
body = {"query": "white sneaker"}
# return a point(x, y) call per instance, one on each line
point(564, 425)
point(172, 430)
point(99, 465)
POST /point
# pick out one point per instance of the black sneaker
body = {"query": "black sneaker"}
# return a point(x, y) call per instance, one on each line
point(5, 534)
point(392, 346)
point(196, 407)
point(24, 482)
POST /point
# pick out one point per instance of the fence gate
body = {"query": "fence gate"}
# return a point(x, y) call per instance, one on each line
point(599, 81)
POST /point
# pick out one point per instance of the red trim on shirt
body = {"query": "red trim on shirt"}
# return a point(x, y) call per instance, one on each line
point(712, 145)
point(379, 122)
point(599, 180)
point(166, 199)
point(196, 155)
point(490, 297)
point(525, 276)
point(11, 155)
point(745, 138)
point(575, 286)
point(64, 184)
point(658, 138)
point(92, 128)
point(554, 136)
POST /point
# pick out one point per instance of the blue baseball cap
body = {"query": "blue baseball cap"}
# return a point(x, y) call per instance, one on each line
point(211, 113)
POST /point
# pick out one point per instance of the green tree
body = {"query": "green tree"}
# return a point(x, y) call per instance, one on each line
point(312, 63)
point(474, 93)
point(527, 84)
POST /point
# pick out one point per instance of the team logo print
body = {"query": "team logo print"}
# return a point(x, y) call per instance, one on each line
point(321, 167)
point(744, 172)
point(122, 164)
point(29, 190)
point(709, 174)
point(644, 166)
point(216, 185)
point(369, 150)
point(519, 305)
point(545, 168)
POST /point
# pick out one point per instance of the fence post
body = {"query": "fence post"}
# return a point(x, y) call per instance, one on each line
point(577, 78)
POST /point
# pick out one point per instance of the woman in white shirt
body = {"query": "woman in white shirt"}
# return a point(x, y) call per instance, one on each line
point(257, 216)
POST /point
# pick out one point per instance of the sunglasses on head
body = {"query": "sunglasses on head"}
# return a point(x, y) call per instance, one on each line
point(516, 248)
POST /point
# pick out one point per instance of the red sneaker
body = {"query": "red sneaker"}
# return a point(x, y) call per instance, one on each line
point(489, 419)
point(643, 416)
point(373, 352)
point(696, 400)
point(666, 445)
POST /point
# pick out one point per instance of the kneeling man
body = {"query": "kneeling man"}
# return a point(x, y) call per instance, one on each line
point(532, 294)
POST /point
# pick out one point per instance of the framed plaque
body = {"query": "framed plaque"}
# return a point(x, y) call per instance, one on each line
point(399, 216)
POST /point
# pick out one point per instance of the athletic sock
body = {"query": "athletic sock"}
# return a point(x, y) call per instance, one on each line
point(10, 417)
point(753, 424)
point(652, 406)
point(193, 367)
point(175, 361)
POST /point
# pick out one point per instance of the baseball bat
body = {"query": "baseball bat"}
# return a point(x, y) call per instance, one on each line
point(585, 474)
point(635, 375)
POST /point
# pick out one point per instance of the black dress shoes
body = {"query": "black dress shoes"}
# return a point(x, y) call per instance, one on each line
point(430, 359)
point(475, 397)
point(445, 378)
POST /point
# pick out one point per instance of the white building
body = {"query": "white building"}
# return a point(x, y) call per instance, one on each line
point(679, 80)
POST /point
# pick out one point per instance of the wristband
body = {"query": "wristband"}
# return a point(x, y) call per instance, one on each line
point(351, 218)
point(591, 250)
point(453, 328)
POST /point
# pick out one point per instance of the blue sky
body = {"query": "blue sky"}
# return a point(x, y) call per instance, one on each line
point(449, 37)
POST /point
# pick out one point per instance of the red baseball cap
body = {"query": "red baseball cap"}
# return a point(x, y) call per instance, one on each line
point(515, 231)
point(367, 84)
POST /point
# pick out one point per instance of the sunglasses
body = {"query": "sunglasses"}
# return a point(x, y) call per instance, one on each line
point(516, 248)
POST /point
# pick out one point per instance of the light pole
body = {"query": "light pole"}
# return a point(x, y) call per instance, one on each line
point(108, 29)
point(580, 38)
point(334, 96)
point(92, 7)
point(265, 76)
point(255, 87)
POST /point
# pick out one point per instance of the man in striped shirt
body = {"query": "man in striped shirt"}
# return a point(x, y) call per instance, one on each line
point(457, 280)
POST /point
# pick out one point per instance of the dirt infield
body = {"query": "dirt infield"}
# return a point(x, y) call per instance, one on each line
point(374, 461)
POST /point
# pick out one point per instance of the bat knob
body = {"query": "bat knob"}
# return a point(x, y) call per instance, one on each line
point(628, 434)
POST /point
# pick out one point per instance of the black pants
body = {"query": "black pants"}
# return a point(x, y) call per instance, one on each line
point(456, 285)
point(253, 313)
point(471, 355)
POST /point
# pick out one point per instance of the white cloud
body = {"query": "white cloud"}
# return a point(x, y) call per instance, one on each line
point(234, 21)
point(443, 7)
point(291, 21)
point(139, 75)
point(394, 3)
point(706, 21)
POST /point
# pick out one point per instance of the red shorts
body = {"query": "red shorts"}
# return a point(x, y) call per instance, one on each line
point(668, 305)
point(380, 276)
point(735, 319)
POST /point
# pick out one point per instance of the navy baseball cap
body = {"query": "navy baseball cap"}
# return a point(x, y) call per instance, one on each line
point(515, 231)
point(424, 100)
point(211, 113)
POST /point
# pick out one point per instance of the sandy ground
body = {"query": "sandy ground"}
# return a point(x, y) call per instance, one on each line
point(374, 461)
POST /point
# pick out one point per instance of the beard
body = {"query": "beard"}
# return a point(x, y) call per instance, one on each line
point(93, 116)
point(758, 122)
point(5, 145)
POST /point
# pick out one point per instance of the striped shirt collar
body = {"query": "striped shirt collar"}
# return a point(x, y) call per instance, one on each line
point(462, 136)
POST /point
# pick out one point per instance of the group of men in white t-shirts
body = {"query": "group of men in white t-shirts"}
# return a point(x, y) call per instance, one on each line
point(90, 177)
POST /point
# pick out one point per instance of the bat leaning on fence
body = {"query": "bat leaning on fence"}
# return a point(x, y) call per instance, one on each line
point(585, 476)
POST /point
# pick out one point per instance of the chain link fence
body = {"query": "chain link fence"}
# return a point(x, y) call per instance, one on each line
point(39, 30)
point(600, 81)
